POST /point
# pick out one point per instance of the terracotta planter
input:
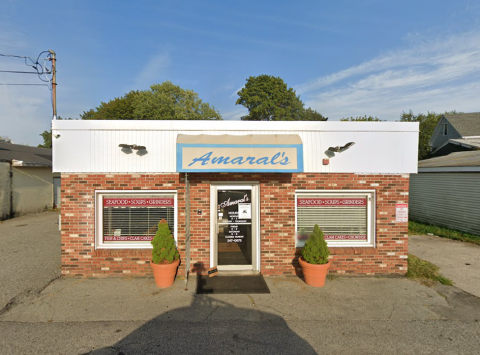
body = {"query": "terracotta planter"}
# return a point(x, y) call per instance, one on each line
point(314, 274)
point(165, 273)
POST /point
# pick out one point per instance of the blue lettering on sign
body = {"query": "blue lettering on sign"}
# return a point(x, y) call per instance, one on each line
point(211, 158)
point(204, 159)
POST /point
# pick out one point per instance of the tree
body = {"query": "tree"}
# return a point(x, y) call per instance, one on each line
point(428, 123)
point(164, 101)
point(47, 140)
point(312, 115)
point(120, 108)
point(362, 118)
point(268, 98)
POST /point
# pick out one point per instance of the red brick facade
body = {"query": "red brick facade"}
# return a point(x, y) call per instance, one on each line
point(277, 222)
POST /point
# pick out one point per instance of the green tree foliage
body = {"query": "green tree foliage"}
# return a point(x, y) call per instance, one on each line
point(362, 119)
point(268, 98)
point(170, 102)
point(312, 115)
point(47, 140)
point(120, 108)
point(164, 101)
point(164, 249)
point(316, 250)
point(428, 123)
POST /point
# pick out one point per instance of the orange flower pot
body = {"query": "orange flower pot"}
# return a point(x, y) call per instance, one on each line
point(165, 273)
point(314, 274)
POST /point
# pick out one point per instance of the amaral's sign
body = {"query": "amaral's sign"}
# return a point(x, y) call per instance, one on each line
point(247, 153)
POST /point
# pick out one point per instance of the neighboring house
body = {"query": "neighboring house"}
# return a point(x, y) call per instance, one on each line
point(26, 180)
point(446, 191)
point(455, 133)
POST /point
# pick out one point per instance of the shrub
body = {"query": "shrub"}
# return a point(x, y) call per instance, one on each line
point(316, 250)
point(164, 248)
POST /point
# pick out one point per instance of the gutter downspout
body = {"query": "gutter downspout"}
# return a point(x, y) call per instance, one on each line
point(187, 232)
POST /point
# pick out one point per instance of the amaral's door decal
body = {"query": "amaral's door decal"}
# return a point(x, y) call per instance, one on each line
point(234, 237)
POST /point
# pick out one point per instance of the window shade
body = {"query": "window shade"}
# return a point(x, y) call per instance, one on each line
point(342, 217)
point(135, 218)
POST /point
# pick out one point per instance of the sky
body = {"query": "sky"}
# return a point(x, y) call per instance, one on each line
point(344, 58)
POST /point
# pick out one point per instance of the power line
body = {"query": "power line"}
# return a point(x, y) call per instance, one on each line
point(18, 72)
point(13, 56)
point(25, 84)
point(40, 70)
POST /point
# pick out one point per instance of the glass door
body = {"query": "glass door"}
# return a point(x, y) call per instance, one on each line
point(235, 228)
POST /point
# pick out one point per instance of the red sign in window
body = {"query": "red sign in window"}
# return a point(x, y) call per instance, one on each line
point(345, 237)
point(331, 202)
point(139, 202)
point(143, 238)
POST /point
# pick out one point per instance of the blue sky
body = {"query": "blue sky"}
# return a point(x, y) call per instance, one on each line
point(344, 58)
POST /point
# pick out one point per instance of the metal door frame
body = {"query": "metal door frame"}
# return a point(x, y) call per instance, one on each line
point(254, 186)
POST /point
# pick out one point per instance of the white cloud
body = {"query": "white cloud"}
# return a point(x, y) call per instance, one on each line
point(154, 71)
point(234, 115)
point(438, 75)
point(25, 112)
point(234, 94)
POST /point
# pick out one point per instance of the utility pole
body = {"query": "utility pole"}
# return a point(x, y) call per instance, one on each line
point(54, 83)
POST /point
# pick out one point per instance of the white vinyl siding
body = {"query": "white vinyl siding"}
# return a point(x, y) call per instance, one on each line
point(449, 199)
point(76, 150)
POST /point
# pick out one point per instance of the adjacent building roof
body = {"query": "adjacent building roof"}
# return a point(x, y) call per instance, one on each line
point(454, 162)
point(23, 155)
point(473, 143)
point(467, 124)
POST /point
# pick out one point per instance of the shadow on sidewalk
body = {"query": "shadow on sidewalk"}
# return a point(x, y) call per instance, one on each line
point(210, 325)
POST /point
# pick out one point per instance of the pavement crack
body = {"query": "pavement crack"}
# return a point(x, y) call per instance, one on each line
point(21, 296)
point(212, 312)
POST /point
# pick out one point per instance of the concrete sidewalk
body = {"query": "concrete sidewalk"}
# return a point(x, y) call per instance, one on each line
point(459, 261)
point(133, 316)
point(138, 299)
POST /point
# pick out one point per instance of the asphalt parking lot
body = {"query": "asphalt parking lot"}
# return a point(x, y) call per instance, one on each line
point(43, 313)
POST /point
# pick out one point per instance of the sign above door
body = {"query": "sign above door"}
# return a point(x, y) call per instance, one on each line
point(274, 153)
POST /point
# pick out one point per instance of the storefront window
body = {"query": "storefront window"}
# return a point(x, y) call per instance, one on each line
point(346, 218)
point(129, 219)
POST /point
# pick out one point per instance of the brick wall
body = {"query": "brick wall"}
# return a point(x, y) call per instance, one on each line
point(277, 222)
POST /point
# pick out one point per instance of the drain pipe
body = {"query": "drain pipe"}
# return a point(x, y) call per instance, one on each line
point(187, 233)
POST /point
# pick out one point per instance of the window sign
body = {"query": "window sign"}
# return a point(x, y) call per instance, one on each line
point(245, 210)
point(345, 218)
point(130, 219)
point(401, 212)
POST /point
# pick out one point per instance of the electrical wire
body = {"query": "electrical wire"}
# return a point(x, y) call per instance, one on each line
point(40, 70)
point(24, 84)
point(18, 72)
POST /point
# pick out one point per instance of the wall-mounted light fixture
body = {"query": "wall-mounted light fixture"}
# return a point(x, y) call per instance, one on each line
point(132, 146)
point(339, 149)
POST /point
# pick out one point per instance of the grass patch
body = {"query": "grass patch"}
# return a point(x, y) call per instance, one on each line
point(424, 228)
point(425, 272)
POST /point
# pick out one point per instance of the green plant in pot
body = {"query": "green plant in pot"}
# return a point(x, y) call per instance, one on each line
point(165, 256)
point(314, 260)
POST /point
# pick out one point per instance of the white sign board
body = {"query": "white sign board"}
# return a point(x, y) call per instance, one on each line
point(244, 211)
point(401, 212)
